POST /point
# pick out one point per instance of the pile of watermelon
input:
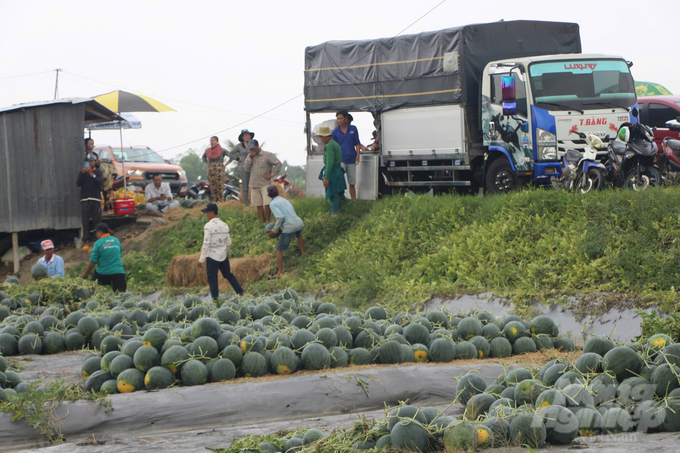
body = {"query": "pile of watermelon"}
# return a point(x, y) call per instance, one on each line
point(192, 342)
point(608, 390)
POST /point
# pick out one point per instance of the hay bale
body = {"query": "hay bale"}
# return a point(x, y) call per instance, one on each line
point(184, 273)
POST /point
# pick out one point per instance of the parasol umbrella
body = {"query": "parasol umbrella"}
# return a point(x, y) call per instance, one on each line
point(123, 101)
point(650, 89)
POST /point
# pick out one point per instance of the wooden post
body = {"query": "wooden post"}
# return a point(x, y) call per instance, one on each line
point(15, 247)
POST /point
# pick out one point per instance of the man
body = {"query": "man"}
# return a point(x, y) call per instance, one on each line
point(263, 166)
point(287, 222)
point(239, 154)
point(53, 263)
point(90, 180)
point(158, 195)
point(89, 148)
point(332, 175)
point(106, 255)
point(215, 251)
point(347, 136)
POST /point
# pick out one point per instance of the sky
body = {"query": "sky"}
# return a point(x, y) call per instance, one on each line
point(226, 65)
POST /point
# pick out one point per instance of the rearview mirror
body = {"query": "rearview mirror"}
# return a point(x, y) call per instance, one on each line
point(673, 125)
point(508, 88)
point(510, 108)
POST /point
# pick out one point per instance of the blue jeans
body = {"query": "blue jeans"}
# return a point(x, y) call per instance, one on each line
point(211, 268)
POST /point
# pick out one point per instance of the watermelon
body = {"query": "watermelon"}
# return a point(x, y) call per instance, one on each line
point(616, 420)
point(553, 373)
point(195, 372)
point(528, 429)
point(623, 362)
point(589, 363)
point(561, 425)
point(106, 360)
point(206, 348)
point(657, 343)
point(527, 391)
point(284, 361)
point(516, 376)
point(514, 330)
point(315, 357)
point(119, 364)
point(415, 333)
point(90, 366)
point(465, 351)
point(500, 348)
point(390, 352)
point(461, 437)
point(405, 413)
point(577, 395)
point(568, 378)
point(491, 331)
point(130, 347)
point(174, 358)
point(339, 357)
point(110, 387)
point(482, 345)
point(95, 381)
point(442, 350)
point(421, 353)
point(145, 358)
point(523, 345)
point(648, 416)
point(155, 337)
point(478, 405)
point(38, 272)
point(158, 377)
point(589, 422)
point(108, 344)
point(550, 397)
point(469, 385)
point(671, 422)
point(130, 380)
point(542, 325)
point(500, 430)
point(233, 353)
point(312, 436)
point(603, 388)
point(564, 344)
point(542, 342)
point(254, 364)
point(665, 379)
point(30, 344)
point(410, 435)
point(469, 327)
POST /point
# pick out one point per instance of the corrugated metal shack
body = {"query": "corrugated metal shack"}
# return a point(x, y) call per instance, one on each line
point(41, 152)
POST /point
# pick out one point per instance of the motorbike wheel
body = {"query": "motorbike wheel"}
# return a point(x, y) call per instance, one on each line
point(651, 177)
point(592, 180)
point(231, 197)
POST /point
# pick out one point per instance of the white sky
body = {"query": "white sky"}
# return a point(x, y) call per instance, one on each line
point(221, 63)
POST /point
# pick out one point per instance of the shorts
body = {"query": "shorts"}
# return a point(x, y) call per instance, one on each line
point(115, 281)
point(351, 170)
point(259, 197)
point(285, 239)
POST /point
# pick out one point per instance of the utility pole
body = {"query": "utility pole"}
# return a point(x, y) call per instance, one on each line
point(56, 84)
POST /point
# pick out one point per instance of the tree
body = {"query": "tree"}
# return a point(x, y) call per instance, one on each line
point(192, 163)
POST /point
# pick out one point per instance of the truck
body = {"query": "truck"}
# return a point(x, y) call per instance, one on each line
point(484, 106)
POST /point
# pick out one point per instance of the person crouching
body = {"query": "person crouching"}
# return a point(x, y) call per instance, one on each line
point(287, 222)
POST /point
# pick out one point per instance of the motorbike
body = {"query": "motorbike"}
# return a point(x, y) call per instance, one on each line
point(581, 171)
point(630, 160)
point(201, 191)
point(668, 158)
point(281, 179)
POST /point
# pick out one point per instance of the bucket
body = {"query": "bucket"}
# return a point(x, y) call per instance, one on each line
point(124, 206)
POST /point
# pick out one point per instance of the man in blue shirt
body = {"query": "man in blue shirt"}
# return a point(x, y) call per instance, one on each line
point(347, 136)
point(287, 223)
point(53, 263)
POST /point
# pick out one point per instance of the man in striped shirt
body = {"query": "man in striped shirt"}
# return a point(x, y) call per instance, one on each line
point(216, 244)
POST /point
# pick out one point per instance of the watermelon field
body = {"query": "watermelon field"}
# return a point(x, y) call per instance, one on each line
point(377, 345)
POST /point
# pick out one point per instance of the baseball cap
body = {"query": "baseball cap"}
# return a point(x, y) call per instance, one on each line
point(47, 244)
point(211, 207)
point(253, 144)
point(104, 228)
point(272, 191)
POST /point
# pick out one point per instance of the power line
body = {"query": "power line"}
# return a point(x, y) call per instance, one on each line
point(179, 101)
point(24, 75)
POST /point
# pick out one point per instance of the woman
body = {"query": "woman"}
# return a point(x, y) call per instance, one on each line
point(239, 154)
point(214, 157)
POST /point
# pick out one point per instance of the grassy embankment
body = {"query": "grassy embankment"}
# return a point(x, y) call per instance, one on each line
point(533, 244)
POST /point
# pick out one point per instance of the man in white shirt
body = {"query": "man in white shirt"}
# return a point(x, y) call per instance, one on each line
point(216, 243)
point(159, 196)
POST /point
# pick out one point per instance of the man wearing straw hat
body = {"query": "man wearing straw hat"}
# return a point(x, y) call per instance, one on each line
point(332, 175)
point(215, 252)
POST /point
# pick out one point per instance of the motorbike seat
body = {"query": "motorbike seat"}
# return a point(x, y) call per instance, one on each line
point(619, 148)
point(573, 156)
point(674, 145)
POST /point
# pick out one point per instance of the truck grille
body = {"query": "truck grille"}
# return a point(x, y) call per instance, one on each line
point(167, 175)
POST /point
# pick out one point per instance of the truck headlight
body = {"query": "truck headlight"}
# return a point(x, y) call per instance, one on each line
point(135, 172)
point(182, 174)
point(547, 145)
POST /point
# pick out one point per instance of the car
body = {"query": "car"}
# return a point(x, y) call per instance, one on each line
point(141, 164)
point(658, 111)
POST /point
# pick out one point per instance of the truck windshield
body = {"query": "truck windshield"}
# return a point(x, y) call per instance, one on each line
point(582, 84)
point(138, 155)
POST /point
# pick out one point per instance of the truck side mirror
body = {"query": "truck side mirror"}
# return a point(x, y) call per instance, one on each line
point(508, 95)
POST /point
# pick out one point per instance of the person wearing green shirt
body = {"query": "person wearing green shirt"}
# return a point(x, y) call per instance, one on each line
point(106, 255)
point(333, 176)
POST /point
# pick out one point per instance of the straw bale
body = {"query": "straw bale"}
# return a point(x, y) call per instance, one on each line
point(184, 272)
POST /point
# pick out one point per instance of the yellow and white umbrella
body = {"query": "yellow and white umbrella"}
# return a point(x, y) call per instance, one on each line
point(123, 101)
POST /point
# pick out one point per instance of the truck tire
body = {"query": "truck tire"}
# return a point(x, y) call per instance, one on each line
point(500, 177)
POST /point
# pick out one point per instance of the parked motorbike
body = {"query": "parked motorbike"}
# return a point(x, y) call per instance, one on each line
point(581, 171)
point(281, 179)
point(201, 190)
point(668, 158)
point(630, 160)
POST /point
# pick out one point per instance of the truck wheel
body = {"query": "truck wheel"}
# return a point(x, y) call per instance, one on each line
point(500, 177)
